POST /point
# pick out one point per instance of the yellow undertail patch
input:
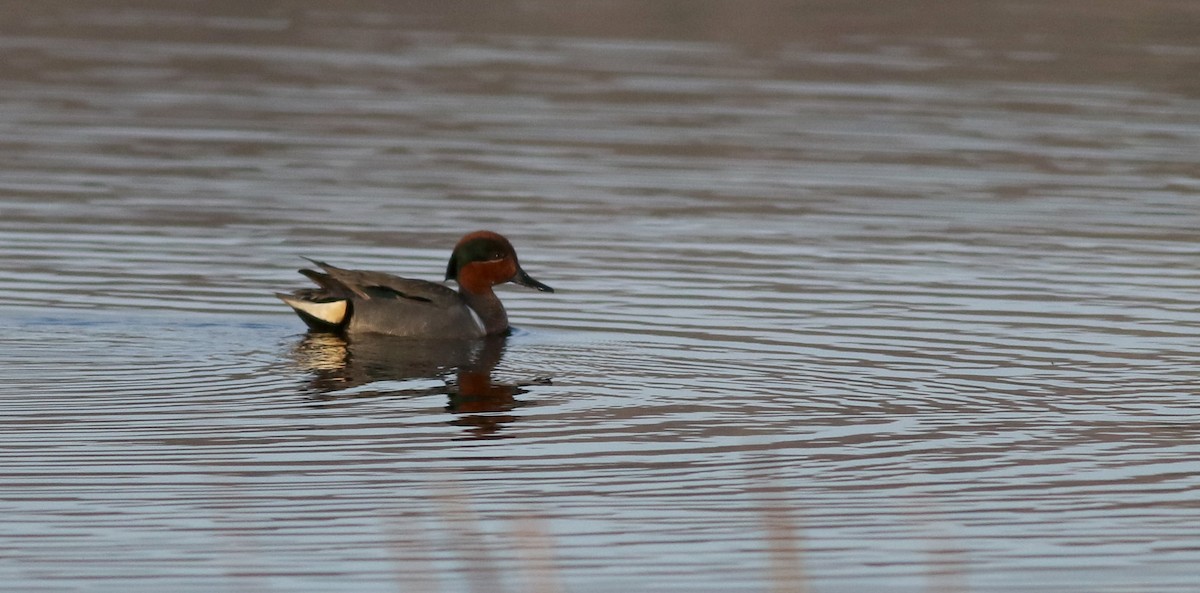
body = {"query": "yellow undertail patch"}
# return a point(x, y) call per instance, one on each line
point(332, 312)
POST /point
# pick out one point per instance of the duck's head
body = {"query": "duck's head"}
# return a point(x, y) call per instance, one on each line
point(484, 259)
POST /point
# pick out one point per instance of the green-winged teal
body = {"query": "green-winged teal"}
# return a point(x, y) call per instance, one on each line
point(352, 301)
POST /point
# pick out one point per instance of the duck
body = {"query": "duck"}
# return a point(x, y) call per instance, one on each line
point(352, 302)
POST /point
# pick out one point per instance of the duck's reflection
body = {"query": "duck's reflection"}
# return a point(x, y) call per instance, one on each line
point(459, 369)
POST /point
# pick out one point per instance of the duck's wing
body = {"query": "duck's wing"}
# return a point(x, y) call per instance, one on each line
point(341, 283)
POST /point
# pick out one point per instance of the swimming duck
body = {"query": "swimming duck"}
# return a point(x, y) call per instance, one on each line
point(353, 301)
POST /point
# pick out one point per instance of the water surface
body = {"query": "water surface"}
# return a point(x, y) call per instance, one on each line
point(847, 300)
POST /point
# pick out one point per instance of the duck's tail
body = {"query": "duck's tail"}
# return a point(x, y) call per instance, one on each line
point(321, 314)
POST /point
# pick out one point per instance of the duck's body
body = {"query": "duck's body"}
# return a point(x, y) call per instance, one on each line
point(353, 301)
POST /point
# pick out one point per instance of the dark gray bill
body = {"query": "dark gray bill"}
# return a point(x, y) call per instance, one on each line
point(526, 280)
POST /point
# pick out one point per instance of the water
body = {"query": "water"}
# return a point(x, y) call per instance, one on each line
point(849, 299)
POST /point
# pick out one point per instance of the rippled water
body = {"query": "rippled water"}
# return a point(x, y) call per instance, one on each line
point(847, 300)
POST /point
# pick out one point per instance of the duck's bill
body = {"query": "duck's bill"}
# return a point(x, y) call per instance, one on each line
point(526, 280)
